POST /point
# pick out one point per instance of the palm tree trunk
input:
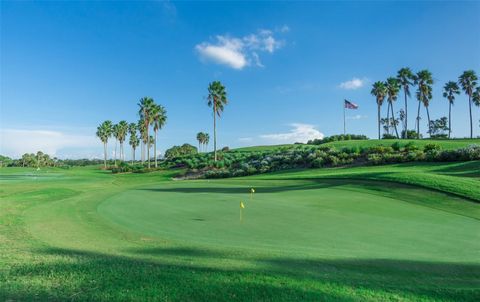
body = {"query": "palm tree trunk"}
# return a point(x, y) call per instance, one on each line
point(214, 130)
point(394, 122)
point(378, 119)
point(155, 149)
point(428, 117)
point(388, 118)
point(406, 115)
point(115, 153)
point(418, 121)
point(449, 119)
point(105, 155)
point(471, 122)
point(148, 149)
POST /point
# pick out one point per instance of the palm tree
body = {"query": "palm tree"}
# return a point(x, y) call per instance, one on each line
point(424, 81)
point(132, 130)
point(146, 105)
point(217, 99)
point(159, 118)
point(200, 139)
point(141, 129)
point(476, 96)
point(406, 78)
point(379, 90)
point(116, 133)
point(449, 90)
point(134, 142)
point(123, 130)
point(468, 82)
point(104, 131)
point(206, 141)
point(393, 87)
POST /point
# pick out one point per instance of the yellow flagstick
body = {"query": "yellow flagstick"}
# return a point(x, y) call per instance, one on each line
point(242, 206)
point(252, 191)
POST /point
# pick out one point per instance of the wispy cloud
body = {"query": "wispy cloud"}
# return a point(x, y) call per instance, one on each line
point(15, 142)
point(245, 139)
point(298, 133)
point(237, 52)
point(357, 117)
point(353, 84)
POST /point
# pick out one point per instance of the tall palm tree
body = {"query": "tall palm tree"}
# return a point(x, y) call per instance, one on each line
point(424, 82)
point(379, 91)
point(406, 78)
point(200, 139)
point(206, 141)
point(217, 99)
point(159, 118)
point(393, 87)
point(142, 131)
point(134, 141)
point(468, 81)
point(449, 90)
point(104, 131)
point(123, 130)
point(116, 131)
point(146, 105)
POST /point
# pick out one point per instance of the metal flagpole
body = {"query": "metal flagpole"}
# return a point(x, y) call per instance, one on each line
point(344, 118)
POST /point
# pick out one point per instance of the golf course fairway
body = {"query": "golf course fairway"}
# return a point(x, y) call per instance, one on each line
point(83, 234)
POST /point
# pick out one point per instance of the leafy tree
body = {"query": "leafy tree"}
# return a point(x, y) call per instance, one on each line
point(424, 82)
point(379, 90)
point(159, 118)
point(449, 90)
point(393, 87)
point(178, 151)
point(146, 105)
point(437, 128)
point(104, 132)
point(468, 81)
point(217, 99)
point(406, 78)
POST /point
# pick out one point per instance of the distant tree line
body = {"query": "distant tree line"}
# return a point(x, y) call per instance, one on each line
point(335, 138)
point(41, 159)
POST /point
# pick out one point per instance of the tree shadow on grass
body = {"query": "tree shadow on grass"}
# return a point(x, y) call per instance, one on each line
point(311, 185)
point(89, 276)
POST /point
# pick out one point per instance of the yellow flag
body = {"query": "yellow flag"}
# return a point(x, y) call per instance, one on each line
point(242, 206)
point(252, 190)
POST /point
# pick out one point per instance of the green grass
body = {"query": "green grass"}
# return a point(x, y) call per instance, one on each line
point(445, 144)
point(351, 234)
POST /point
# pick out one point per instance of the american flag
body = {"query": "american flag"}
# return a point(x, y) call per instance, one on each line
point(350, 105)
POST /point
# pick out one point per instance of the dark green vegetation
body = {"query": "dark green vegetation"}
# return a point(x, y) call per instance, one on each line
point(245, 161)
point(363, 233)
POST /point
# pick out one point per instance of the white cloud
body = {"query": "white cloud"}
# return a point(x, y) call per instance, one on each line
point(284, 29)
point(353, 84)
point(15, 142)
point(299, 133)
point(357, 117)
point(245, 139)
point(238, 53)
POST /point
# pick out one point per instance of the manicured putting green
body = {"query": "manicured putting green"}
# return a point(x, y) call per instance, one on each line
point(337, 218)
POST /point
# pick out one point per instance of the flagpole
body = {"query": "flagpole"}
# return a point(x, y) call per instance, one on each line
point(344, 132)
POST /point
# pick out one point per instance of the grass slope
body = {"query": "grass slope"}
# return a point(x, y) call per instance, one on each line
point(445, 144)
point(326, 234)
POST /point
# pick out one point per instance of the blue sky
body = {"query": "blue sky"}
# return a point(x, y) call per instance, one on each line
point(67, 66)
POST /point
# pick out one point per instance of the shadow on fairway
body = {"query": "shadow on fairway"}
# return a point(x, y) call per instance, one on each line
point(79, 275)
point(312, 185)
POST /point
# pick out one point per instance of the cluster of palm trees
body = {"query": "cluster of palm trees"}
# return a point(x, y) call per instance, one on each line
point(423, 80)
point(203, 140)
point(151, 115)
